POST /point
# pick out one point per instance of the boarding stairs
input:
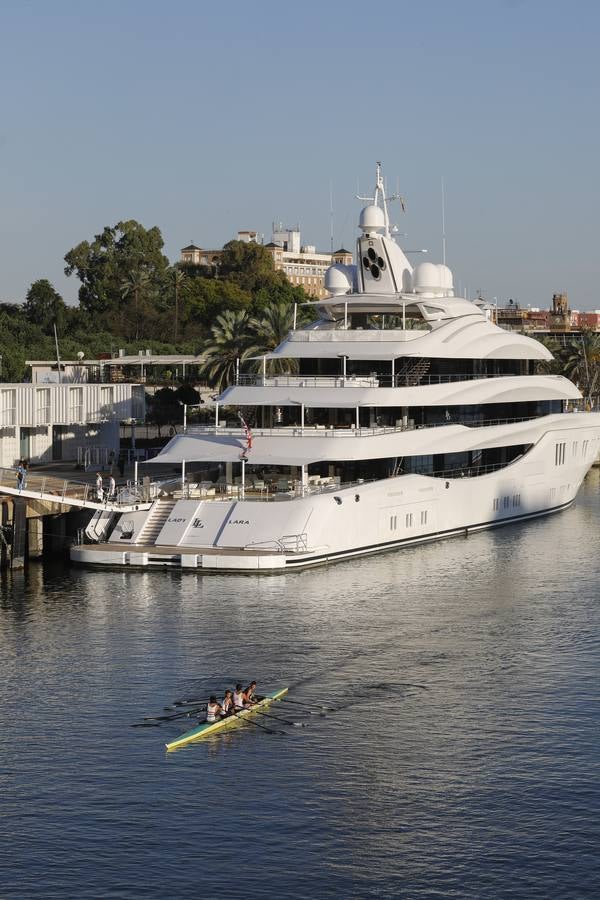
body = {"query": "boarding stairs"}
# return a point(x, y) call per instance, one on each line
point(412, 372)
point(154, 523)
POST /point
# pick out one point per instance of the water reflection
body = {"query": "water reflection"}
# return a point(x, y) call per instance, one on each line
point(459, 759)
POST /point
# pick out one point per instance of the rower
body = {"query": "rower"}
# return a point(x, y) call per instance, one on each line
point(250, 694)
point(239, 700)
point(227, 704)
point(214, 710)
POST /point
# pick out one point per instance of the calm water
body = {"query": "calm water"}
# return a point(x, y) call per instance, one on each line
point(463, 760)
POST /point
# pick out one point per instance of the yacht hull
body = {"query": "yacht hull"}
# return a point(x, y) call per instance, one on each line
point(362, 519)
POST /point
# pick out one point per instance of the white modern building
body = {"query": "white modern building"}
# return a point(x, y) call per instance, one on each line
point(46, 422)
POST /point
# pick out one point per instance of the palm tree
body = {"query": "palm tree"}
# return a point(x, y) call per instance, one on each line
point(549, 366)
point(232, 340)
point(136, 284)
point(271, 329)
point(582, 362)
point(179, 279)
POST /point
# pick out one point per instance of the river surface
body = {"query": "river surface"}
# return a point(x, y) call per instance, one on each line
point(462, 758)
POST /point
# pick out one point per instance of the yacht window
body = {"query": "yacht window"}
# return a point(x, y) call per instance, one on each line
point(371, 253)
point(496, 504)
point(409, 520)
point(375, 271)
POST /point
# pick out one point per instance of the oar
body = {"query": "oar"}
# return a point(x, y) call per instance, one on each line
point(190, 700)
point(257, 712)
point(246, 721)
point(181, 715)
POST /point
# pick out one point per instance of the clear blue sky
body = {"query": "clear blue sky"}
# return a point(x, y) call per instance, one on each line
point(203, 118)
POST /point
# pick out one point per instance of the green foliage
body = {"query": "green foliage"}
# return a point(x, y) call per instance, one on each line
point(231, 340)
point(117, 256)
point(130, 298)
point(44, 306)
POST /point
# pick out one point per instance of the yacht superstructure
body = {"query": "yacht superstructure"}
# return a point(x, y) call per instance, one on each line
point(402, 414)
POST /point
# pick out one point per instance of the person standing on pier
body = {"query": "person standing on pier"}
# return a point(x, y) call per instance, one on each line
point(20, 476)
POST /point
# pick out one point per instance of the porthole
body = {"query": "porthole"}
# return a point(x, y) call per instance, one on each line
point(366, 262)
point(372, 254)
point(380, 262)
point(375, 271)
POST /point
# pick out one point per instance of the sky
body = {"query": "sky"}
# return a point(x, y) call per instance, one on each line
point(206, 118)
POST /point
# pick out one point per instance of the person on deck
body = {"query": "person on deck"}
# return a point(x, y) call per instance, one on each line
point(99, 487)
point(227, 704)
point(239, 700)
point(250, 694)
point(20, 476)
point(214, 710)
point(112, 487)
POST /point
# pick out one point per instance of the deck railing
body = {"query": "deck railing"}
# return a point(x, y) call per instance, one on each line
point(349, 431)
point(367, 381)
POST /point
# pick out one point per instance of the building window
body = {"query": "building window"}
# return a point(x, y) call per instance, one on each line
point(106, 403)
point(8, 409)
point(42, 406)
point(75, 405)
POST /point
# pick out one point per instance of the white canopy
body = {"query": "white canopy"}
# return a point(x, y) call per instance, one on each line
point(293, 447)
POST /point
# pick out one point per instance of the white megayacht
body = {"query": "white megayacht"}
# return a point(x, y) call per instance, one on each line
point(403, 415)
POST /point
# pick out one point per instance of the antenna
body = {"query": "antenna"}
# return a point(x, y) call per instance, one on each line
point(331, 214)
point(443, 222)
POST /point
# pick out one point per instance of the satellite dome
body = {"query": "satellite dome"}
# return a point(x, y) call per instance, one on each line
point(371, 219)
point(445, 277)
point(426, 278)
point(338, 280)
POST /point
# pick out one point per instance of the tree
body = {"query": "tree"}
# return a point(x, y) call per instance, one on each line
point(137, 285)
point(179, 279)
point(164, 408)
point(271, 328)
point(550, 366)
point(231, 341)
point(104, 264)
point(582, 362)
point(250, 265)
point(44, 306)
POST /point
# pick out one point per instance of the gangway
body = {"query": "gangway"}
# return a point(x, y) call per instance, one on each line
point(76, 493)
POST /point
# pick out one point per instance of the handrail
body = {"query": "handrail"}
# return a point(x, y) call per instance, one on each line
point(349, 432)
point(405, 379)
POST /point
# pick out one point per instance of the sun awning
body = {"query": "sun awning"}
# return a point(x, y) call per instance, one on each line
point(293, 447)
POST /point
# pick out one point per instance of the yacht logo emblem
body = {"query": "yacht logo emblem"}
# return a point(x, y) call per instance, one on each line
point(197, 523)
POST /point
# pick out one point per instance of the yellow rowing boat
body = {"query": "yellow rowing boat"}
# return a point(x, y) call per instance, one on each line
point(206, 728)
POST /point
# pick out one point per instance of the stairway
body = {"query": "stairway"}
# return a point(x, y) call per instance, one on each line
point(412, 371)
point(158, 515)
